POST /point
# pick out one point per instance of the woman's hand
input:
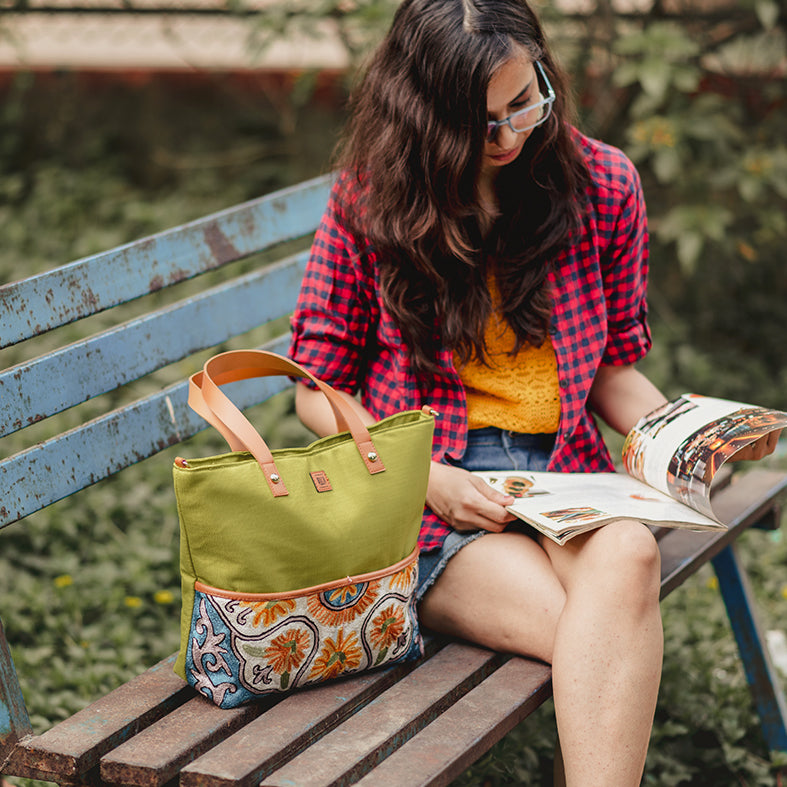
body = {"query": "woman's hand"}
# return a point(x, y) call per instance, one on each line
point(760, 448)
point(466, 502)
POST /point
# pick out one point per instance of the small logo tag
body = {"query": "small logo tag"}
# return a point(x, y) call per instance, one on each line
point(321, 482)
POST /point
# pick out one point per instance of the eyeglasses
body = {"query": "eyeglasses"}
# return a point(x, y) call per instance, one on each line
point(529, 117)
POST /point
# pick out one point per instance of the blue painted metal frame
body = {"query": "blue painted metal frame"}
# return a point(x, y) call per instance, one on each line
point(760, 673)
point(14, 721)
point(35, 390)
point(104, 446)
point(91, 285)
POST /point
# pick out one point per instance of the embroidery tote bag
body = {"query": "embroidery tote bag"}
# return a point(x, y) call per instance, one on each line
point(297, 565)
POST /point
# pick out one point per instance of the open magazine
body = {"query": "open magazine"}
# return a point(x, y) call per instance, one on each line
point(670, 458)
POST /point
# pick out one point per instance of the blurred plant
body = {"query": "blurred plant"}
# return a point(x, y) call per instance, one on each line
point(695, 95)
point(712, 148)
point(353, 27)
point(356, 24)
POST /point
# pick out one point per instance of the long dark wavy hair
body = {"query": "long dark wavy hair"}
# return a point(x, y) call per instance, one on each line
point(415, 140)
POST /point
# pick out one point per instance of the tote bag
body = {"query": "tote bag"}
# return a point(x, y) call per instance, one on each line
point(297, 565)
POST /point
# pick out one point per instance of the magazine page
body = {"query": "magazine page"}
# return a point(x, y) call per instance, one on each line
point(567, 502)
point(678, 448)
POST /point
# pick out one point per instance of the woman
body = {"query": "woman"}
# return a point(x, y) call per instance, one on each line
point(481, 255)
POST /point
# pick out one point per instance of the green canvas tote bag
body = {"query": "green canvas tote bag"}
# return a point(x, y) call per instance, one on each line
point(297, 565)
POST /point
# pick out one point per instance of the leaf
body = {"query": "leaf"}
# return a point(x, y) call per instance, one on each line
point(671, 727)
point(750, 188)
point(767, 12)
point(627, 73)
point(686, 78)
point(667, 165)
point(689, 247)
point(655, 77)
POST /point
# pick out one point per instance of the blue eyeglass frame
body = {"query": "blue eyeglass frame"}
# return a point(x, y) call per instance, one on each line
point(492, 126)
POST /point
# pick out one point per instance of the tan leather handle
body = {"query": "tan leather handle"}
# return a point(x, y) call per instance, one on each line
point(208, 400)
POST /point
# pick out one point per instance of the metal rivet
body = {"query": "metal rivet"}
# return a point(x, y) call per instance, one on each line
point(274, 478)
point(371, 456)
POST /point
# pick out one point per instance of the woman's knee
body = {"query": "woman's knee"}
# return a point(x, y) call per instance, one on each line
point(627, 552)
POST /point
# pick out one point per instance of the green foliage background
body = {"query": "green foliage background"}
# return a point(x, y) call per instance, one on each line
point(89, 587)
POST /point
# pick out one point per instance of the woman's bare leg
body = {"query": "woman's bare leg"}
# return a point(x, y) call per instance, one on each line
point(608, 653)
point(499, 591)
point(590, 608)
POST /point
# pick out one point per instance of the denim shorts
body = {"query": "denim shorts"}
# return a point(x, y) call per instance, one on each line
point(489, 448)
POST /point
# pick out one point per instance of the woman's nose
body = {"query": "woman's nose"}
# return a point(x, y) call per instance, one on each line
point(505, 138)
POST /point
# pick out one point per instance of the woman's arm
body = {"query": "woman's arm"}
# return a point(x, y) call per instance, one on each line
point(621, 395)
point(316, 413)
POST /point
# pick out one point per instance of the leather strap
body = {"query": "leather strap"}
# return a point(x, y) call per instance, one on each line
point(208, 400)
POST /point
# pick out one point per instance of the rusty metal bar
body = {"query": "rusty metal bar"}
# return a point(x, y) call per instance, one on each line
point(91, 285)
point(34, 390)
point(14, 721)
point(761, 675)
point(56, 468)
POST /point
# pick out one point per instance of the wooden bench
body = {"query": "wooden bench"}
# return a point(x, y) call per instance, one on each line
point(419, 724)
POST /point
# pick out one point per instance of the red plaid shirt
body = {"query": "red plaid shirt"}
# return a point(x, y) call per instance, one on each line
point(344, 335)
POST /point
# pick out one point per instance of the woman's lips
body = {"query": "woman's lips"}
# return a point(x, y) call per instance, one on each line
point(507, 156)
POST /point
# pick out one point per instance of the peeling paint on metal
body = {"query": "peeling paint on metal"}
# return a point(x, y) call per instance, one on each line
point(5, 721)
point(220, 246)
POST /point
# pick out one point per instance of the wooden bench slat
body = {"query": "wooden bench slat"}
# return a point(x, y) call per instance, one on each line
point(468, 729)
point(155, 755)
point(738, 505)
point(74, 746)
point(35, 390)
point(91, 285)
point(347, 752)
point(270, 740)
point(54, 469)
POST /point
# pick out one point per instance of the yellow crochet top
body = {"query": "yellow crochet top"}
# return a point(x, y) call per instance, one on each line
point(521, 392)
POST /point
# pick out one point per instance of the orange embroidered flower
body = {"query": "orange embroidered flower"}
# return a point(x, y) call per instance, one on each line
point(342, 655)
point(387, 627)
point(341, 605)
point(287, 651)
point(404, 579)
point(268, 611)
